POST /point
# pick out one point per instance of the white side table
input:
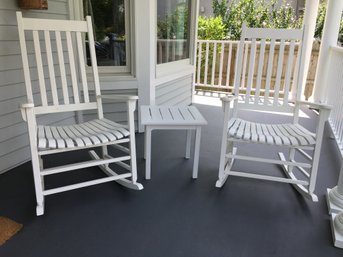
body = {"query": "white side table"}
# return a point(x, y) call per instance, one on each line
point(172, 117)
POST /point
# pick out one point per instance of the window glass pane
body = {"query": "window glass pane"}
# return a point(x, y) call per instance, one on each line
point(173, 26)
point(109, 30)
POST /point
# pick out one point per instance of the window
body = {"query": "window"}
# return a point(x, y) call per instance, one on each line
point(110, 24)
point(173, 28)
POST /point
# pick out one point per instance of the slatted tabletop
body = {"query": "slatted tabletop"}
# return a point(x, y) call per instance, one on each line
point(171, 115)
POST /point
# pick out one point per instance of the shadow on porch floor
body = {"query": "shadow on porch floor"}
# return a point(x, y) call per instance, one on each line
point(174, 215)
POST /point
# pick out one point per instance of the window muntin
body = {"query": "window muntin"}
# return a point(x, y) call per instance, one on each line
point(173, 28)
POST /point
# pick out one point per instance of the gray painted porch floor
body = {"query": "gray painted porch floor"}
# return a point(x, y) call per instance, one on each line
point(174, 215)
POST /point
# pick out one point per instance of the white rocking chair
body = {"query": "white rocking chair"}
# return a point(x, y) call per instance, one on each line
point(54, 60)
point(282, 96)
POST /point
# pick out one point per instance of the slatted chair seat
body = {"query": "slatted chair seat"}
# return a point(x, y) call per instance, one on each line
point(273, 134)
point(92, 133)
point(269, 84)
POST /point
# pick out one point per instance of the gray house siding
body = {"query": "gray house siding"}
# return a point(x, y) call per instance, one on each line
point(177, 92)
point(14, 148)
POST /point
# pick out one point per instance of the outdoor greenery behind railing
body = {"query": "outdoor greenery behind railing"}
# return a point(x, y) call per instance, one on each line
point(228, 18)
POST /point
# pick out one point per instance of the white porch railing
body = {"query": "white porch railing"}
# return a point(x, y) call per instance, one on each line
point(334, 94)
point(169, 50)
point(215, 65)
point(215, 62)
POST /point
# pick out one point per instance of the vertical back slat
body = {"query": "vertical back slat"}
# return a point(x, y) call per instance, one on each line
point(279, 72)
point(245, 61)
point(51, 67)
point(94, 67)
point(269, 70)
point(251, 69)
point(72, 68)
point(260, 70)
point(288, 72)
point(239, 61)
point(82, 67)
point(40, 70)
point(22, 42)
point(295, 75)
point(62, 67)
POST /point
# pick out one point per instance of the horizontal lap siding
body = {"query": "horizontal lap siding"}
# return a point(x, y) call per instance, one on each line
point(14, 147)
point(177, 92)
point(113, 110)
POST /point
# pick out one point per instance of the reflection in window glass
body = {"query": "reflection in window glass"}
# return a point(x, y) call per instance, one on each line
point(109, 30)
point(173, 25)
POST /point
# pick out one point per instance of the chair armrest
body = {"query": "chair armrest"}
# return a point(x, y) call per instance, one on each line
point(27, 105)
point(315, 105)
point(24, 108)
point(120, 97)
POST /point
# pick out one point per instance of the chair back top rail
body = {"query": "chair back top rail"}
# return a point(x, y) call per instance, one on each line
point(55, 74)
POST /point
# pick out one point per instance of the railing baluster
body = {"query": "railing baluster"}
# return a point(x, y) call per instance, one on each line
point(206, 63)
point(214, 57)
point(221, 63)
point(199, 61)
point(228, 68)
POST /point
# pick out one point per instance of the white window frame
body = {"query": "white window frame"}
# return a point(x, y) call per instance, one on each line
point(76, 11)
point(184, 65)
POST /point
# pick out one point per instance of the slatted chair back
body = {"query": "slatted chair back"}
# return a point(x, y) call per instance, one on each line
point(59, 69)
point(265, 80)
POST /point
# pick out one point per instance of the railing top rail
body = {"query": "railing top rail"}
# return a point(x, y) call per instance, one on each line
point(217, 41)
point(237, 42)
point(337, 49)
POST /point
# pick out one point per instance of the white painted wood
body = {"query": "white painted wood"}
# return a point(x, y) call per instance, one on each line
point(174, 118)
point(62, 67)
point(277, 86)
point(269, 69)
point(260, 69)
point(100, 132)
point(291, 136)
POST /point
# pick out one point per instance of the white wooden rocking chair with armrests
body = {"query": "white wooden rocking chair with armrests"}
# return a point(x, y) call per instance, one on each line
point(251, 94)
point(55, 95)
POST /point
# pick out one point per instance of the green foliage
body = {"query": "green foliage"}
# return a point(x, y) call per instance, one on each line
point(211, 28)
point(219, 8)
point(256, 13)
point(320, 23)
point(175, 25)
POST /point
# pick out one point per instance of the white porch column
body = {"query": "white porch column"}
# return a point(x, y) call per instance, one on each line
point(311, 11)
point(145, 40)
point(329, 38)
point(335, 196)
point(335, 203)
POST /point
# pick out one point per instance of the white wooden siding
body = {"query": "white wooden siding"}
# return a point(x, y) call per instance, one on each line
point(177, 92)
point(14, 148)
point(116, 111)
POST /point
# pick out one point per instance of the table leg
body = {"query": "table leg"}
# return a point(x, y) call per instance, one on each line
point(147, 152)
point(196, 152)
point(188, 144)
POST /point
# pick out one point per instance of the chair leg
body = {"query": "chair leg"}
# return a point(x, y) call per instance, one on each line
point(225, 163)
point(306, 191)
point(104, 151)
point(36, 163)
